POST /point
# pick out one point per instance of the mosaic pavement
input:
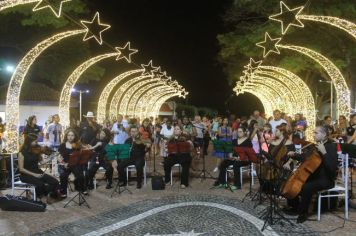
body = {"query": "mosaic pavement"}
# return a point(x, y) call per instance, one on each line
point(180, 215)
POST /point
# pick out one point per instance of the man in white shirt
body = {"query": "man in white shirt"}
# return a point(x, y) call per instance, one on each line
point(277, 120)
point(54, 132)
point(119, 130)
point(167, 132)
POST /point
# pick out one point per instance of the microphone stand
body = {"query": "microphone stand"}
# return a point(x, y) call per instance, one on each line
point(204, 172)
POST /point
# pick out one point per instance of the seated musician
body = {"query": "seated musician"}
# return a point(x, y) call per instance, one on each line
point(99, 160)
point(70, 144)
point(281, 146)
point(179, 151)
point(136, 157)
point(243, 141)
point(29, 158)
point(321, 179)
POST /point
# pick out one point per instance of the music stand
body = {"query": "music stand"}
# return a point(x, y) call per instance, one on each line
point(122, 152)
point(80, 157)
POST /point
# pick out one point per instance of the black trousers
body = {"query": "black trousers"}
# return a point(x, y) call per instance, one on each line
point(139, 164)
point(45, 185)
point(310, 188)
point(94, 168)
point(79, 180)
point(184, 160)
point(236, 166)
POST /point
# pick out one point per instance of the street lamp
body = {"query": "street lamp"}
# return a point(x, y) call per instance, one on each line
point(80, 100)
point(331, 95)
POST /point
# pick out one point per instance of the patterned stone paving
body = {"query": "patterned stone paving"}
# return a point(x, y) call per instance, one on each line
point(179, 215)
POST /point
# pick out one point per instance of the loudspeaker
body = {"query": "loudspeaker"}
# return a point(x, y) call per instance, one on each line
point(157, 183)
point(14, 203)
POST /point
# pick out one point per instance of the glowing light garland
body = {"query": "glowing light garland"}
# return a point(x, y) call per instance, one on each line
point(266, 102)
point(125, 106)
point(14, 89)
point(5, 4)
point(158, 104)
point(150, 108)
point(141, 88)
point(144, 102)
point(15, 85)
point(94, 30)
point(64, 101)
point(269, 45)
point(116, 99)
point(342, 91)
point(42, 4)
point(145, 93)
point(104, 96)
point(289, 16)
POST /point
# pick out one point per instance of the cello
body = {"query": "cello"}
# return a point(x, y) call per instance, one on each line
point(297, 179)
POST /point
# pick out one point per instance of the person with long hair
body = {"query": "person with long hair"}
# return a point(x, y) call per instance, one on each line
point(225, 135)
point(98, 146)
point(71, 143)
point(243, 141)
point(32, 127)
point(29, 157)
point(253, 135)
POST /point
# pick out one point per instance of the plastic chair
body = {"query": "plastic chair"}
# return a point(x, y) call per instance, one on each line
point(132, 168)
point(175, 165)
point(341, 188)
point(249, 169)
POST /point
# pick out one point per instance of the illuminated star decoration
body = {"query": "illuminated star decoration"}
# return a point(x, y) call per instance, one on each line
point(49, 4)
point(269, 45)
point(158, 73)
point(94, 29)
point(253, 66)
point(288, 17)
point(126, 52)
point(148, 69)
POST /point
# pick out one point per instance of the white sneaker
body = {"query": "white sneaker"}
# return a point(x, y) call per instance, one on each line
point(182, 186)
point(216, 169)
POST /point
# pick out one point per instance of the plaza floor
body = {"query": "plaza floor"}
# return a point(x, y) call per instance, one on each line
point(196, 210)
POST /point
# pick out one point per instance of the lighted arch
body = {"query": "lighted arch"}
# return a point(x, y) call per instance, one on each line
point(116, 99)
point(145, 104)
point(64, 101)
point(266, 103)
point(150, 108)
point(124, 106)
point(343, 102)
point(104, 96)
point(5, 4)
point(159, 102)
point(139, 93)
point(17, 79)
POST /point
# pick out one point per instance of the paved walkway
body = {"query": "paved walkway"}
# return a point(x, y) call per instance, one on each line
point(197, 210)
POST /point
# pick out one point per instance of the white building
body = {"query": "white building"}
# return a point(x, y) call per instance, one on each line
point(36, 99)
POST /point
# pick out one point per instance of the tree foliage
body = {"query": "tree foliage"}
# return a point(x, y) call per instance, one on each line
point(246, 21)
point(21, 29)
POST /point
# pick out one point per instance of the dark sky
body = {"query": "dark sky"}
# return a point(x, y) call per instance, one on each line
point(180, 36)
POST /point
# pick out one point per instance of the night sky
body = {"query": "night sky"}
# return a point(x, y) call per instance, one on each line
point(179, 36)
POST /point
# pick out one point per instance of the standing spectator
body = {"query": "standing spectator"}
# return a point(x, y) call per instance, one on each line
point(257, 117)
point(277, 120)
point(54, 133)
point(166, 133)
point(225, 134)
point(89, 129)
point(31, 127)
point(351, 134)
point(119, 129)
point(328, 123)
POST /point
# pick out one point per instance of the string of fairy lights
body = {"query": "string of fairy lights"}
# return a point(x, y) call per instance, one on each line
point(92, 30)
point(288, 17)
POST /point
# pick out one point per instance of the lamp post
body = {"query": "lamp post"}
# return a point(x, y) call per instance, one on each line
point(331, 96)
point(80, 100)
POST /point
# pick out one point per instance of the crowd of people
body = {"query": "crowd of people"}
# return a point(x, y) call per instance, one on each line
point(179, 141)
